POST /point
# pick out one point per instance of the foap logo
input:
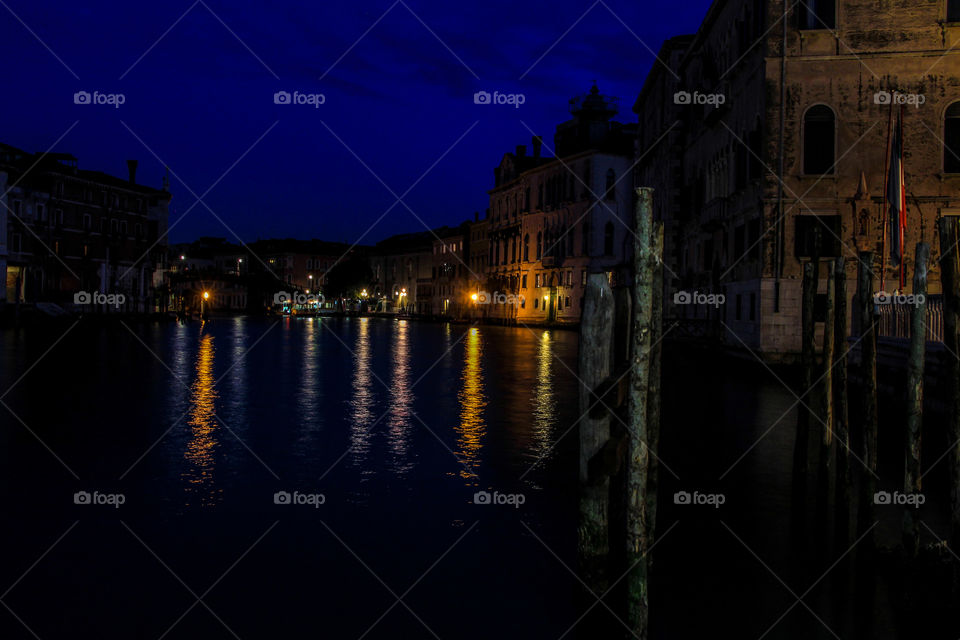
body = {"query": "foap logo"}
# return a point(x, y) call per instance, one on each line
point(311, 99)
point(101, 499)
point(882, 297)
point(485, 297)
point(899, 499)
point(687, 98)
point(895, 97)
point(88, 298)
point(696, 498)
point(112, 99)
point(512, 499)
point(485, 97)
point(296, 297)
point(296, 498)
point(715, 300)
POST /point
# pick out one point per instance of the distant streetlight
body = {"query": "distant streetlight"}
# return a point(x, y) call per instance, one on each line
point(474, 297)
point(206, 296)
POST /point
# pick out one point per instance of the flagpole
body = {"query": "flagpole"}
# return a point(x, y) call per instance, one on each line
point(883, 222)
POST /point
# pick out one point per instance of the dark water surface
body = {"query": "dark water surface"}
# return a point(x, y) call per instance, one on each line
point(397, 425)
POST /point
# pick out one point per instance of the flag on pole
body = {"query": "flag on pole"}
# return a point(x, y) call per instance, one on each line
point(897, 194)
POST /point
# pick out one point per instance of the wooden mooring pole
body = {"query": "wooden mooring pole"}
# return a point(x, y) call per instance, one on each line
point(841, 429)
point(868, 395)
point(826, 398)
point(637, 542)
point(915, 362)
point(950, 280)
point(596, 336)
point(801, 445)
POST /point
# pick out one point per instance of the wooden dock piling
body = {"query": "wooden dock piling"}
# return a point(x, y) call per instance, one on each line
point(596, 338)
point(915, 362)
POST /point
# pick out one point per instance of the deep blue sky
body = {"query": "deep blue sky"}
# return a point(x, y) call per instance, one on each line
point(399, 98)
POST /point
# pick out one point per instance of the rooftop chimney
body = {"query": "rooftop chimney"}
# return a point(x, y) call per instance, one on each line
point(521, 150)
point(537, 144)
point(132, 169)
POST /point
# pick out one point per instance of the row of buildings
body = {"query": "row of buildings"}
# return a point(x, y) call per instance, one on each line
point(764, 136)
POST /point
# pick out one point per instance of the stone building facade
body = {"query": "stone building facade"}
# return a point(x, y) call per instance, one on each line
point(765, 130)
point(66, 231)
point(554, 219)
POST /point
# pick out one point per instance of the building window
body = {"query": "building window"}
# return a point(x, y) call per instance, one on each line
point(569, 278)
point(539, 245)
point(567, 302)
point(583, 278)
point(951, 137)
point(953, 10)
point(524, 281)
point(818, 140)
point(41, 213)
point(608, 239)
point(611, 181)
point(526, 247)
point(817, 14)
point(87, 222)
point(753, 307)
point(536, 280)
point(739, 306)
point(536, 302)
point(813, 228)
point(17, 207)
point(513, 249)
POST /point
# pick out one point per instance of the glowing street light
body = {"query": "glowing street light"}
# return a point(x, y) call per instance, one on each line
point(474, 297)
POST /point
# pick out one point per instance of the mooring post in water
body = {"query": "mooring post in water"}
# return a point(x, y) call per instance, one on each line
point(950, 280)
point(841, 429)
point(596, 335)
point(868, 394)
point(802, 442)
point(915, 362)
point(826, 437)
point(653, 388)
point(638, 458)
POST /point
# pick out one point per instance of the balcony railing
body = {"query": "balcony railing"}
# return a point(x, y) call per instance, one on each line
point(895, 320)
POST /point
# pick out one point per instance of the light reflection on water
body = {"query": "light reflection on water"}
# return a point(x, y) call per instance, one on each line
point(363, 398)
point(199, 474)
point(401, 400)
point(308, 401)
point(544, 400)
point(472, 427)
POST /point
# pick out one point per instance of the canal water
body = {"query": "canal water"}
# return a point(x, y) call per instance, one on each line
point(377, 478)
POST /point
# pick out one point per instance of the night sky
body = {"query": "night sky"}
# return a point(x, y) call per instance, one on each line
point(199, 97)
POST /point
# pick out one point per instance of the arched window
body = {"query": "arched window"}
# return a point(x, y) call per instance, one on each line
point(526, 247)
point(608, 239)
point(539, 244)
point(513, 249)
point(611, 181)
point(951, 139)
point(818, 140)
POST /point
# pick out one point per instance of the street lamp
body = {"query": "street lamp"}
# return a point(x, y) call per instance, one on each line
point(239, 261)
point(206, 296)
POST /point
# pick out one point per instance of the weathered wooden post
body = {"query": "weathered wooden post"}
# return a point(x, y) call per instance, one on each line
point(638, 457)
point(653, 389)
point(950, 280)
point(596, 335)
point(841, 428)
point(915, 361)
point(802, 443)
point(826, 437)
point(868, 395)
